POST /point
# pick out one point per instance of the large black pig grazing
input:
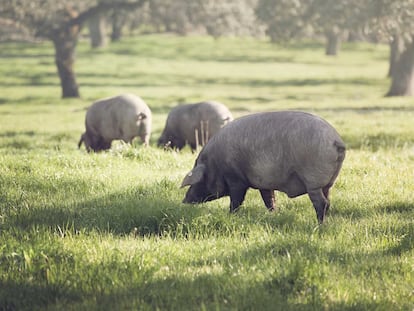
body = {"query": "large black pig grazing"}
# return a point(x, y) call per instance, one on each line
point(289, 151)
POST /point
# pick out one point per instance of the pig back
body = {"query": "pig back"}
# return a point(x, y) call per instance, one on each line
point(205, 117)
point(212, 117)
point(117, 117)
point(290, 151)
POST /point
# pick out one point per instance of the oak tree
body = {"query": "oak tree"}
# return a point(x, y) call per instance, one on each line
point(60, 21)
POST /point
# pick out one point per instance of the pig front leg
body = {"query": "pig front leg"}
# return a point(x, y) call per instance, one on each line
point(268, 197)
point(237, 194)
point(145, 139)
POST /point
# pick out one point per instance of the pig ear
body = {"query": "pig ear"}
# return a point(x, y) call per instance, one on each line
point(194, 176)
point(141, 116)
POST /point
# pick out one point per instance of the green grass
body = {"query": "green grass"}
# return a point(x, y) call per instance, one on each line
point(108, 231)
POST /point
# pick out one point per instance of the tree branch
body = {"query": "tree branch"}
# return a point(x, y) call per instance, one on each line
point(102, 7)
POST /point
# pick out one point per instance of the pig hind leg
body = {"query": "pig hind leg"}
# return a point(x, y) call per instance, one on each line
point(268, 197)
point(320, 203)
point(325, 191)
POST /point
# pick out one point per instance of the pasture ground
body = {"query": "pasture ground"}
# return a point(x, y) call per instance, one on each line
point(108, 231)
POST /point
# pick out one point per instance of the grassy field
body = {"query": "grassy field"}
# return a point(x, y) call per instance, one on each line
point(108, 231)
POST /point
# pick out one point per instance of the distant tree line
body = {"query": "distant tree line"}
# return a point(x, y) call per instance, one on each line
point(60, 21)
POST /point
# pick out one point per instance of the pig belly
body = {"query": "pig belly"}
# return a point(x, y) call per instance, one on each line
point(293, 187)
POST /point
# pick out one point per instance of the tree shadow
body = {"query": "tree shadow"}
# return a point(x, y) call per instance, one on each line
point(145, 211)
point(15, 133)
point(403, 232)
point(17, 140)
point(376, 142)
point(398, 208)
point(176, 293)
point(29, 140)
point(26, 295)
point(351, 213)
point(117, 213)
point(43, 99)
point(150, 210)
point(162, 79)
point(23, 53)
point(223, 289)
point(361, 109)
point(404, 210)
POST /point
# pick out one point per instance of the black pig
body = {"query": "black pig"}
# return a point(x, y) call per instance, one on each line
point(289, 151)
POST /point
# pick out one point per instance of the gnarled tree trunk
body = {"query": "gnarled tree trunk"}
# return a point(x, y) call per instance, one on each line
point(118, 21)
point(65, 40)
point(333, 41)
point(396, 47)
point(402, 72)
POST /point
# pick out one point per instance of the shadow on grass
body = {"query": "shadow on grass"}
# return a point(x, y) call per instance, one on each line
point(402, 209)
point(290, 289)
point(398, 208)
point(116, 213)
point(143, 210)
point(361, 110)
point(151, 215)
point(166, 294)
point(403, 232)
point(153, 211)
point(188, 80)
point(24, 53)
point(14, 134)
point(169, 79)
point(405, 245)
point(406, 232)
point(18, 140)
point(41, 99)
point(186, 53)
point(377, 141)
point(178, 294)
point(26, 295)
point(30, 140)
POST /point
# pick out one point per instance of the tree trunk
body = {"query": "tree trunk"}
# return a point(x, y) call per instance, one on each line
point(118, 22)
point(402, 73)
point(333, 42)
point(65, 41)
point(396, 48)
point(356, 35)
point(97, 30)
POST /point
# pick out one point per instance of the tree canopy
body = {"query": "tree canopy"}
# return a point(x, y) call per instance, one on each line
point(60, 22)
point(389, 20)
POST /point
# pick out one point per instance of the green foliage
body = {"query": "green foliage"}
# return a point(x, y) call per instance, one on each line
point(287, 20)
point(108, 231)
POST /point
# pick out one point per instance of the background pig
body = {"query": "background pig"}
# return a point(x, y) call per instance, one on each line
point(289, 151)
point(121, 117)
point(183, 122)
